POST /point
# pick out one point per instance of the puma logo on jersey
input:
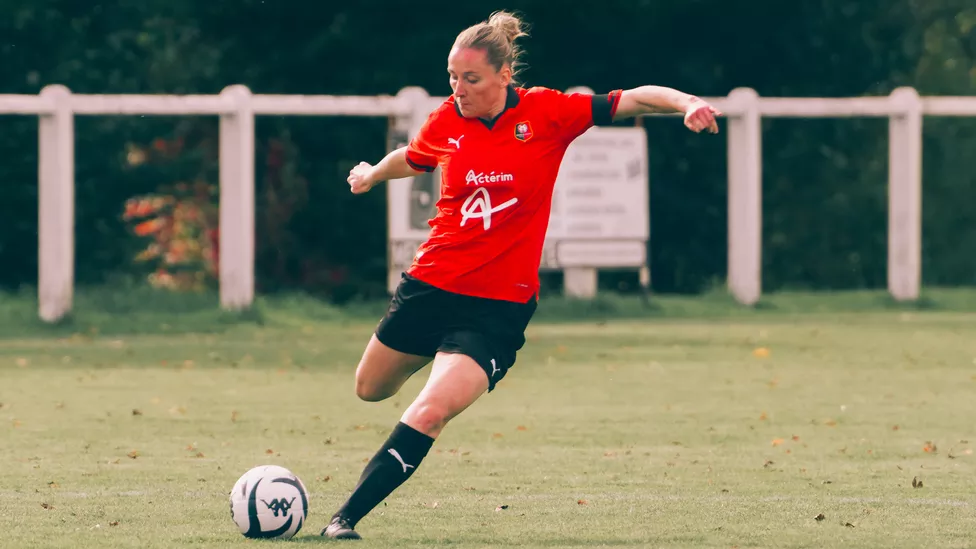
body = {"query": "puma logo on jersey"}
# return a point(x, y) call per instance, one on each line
point(455, 142)
point(478, 206)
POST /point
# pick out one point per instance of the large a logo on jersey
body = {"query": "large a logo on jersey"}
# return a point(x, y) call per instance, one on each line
point(478, 206)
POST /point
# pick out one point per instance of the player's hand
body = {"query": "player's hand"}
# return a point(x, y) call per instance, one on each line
point(361, 178)
point(701, 116)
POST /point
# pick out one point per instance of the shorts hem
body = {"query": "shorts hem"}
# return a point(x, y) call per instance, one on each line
point(399, 348)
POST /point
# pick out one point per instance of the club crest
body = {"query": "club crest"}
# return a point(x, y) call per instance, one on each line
point(523, 131)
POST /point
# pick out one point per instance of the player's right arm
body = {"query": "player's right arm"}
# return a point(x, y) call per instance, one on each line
point(420, 155)
point(364, 176)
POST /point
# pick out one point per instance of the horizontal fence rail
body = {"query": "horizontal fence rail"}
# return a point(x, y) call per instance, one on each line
point(236, 106)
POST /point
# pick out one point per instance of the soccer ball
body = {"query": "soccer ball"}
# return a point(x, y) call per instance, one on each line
point(269, 502)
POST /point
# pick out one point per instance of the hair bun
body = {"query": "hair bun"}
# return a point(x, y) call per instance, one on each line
point(509, 24)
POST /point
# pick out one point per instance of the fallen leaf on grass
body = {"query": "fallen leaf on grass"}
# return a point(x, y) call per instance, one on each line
point(521, 428)
point(763, 416)
point(796, 438)
point(326, 478)
point(53, 484)
point(114, 523)
point(895, 427)
point(497, 435)
point(198, 455)
point(849, 525)
point(581, 502)
point(819, 517)
point(830, 423)
point(930, 448)
point(133, 454)
point(768, 463)
point(777, 441)
point(501, 507)
point(136, 412)
point(760, 352)
point(269, 451)
point(47, 506)
point(16, 423)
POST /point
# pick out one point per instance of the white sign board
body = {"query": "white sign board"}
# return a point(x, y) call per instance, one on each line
point(599, 206)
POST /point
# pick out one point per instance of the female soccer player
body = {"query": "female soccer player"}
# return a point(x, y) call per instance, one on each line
point(468, 296)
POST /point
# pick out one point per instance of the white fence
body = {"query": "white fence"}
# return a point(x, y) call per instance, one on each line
point(56, 107)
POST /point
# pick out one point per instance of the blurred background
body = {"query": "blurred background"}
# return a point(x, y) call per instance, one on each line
point(146, 192)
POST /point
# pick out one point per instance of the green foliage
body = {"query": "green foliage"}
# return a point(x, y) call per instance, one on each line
point(825, 198)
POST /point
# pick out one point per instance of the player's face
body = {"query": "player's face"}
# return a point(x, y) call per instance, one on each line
point(478, 87)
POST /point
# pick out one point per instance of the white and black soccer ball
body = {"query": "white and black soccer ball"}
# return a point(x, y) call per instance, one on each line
point(269, 502)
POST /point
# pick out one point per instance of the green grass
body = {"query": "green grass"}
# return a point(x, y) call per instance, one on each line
point(620, 426)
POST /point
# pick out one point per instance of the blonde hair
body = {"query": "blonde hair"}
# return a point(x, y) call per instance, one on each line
point(496, 37)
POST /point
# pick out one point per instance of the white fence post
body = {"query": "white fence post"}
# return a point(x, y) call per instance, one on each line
point(401, 244)
point(745, 196)
point(56, 214)
point(237, 201)
point(905, 195)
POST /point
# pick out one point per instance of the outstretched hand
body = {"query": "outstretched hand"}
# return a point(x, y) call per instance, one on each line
point(701, 116)
point(360, 178)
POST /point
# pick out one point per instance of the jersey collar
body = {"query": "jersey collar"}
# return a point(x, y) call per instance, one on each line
point(511, 101)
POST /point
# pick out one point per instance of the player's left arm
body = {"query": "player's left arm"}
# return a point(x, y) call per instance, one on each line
point(699, 115)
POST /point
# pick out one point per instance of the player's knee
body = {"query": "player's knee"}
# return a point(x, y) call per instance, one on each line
point(371, 391)
point(428, 415)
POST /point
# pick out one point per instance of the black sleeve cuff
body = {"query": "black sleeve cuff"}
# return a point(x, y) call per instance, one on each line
point(419, 167)
point(604, 107)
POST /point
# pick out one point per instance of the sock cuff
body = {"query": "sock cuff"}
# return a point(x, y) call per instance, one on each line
point(410, 436)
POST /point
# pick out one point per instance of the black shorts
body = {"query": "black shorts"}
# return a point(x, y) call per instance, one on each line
point(423, 320)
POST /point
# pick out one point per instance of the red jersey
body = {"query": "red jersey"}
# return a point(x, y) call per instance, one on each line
point(496, 188)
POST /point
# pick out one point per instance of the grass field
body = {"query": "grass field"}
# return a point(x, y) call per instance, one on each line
point(691, 424)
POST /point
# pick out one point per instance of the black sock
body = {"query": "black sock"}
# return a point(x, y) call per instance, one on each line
point(396, 460)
